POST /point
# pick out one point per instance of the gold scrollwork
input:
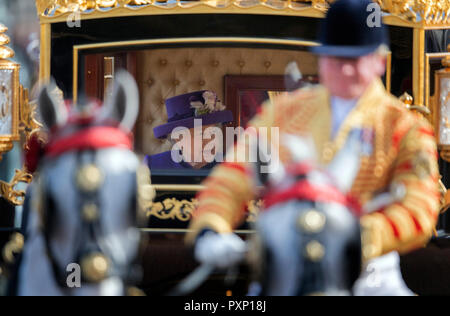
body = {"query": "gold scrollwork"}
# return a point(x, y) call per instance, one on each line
point(27, 115)
point(430, 12)
point(173, 209)
point(8, 191)
point(182, 210)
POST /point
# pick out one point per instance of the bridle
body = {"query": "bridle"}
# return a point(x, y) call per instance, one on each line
point(311, 226)
point(95, 260)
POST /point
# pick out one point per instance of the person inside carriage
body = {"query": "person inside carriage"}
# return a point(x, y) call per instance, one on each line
point(402, 155)
point(191, 116)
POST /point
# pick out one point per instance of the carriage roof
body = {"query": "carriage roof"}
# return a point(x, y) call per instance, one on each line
point(426, 14)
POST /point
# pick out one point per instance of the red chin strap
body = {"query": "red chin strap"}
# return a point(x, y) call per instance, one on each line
point(304, 190)
point(96, 137)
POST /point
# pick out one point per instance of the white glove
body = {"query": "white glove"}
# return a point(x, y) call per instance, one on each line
point(220, 250)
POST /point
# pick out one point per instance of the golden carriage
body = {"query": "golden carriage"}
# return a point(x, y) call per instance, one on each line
point(237, 48)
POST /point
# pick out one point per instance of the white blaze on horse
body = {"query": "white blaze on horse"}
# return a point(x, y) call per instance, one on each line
point(83, 208)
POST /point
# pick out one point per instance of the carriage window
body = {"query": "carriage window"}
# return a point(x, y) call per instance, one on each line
point(191, 97)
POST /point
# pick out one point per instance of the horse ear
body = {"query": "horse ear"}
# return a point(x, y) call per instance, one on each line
point(51, 109)
point(122, 105)
point(345, 165)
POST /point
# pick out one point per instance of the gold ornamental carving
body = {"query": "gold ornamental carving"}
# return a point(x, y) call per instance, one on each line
point(428, 12)
point(27, 116)
point(182, 210)
point(8, 190)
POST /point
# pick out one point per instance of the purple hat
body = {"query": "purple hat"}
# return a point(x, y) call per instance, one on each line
point(183, 109)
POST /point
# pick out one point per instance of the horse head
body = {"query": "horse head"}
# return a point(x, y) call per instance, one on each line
point(308, 237)
point(83, 210)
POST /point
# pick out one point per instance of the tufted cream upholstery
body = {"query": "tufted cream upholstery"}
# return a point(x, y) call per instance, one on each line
point(164, 73)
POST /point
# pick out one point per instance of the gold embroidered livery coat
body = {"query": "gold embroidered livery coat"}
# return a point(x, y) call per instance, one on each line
point(404, 152)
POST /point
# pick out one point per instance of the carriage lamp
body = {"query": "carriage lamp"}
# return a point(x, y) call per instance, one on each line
point(9, 95)
point(442, 108)
point(16, 116)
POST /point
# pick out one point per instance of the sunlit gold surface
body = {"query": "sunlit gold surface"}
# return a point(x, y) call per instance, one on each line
point(5, 52)
point(418, 66)
point(4, 39)
point(406, 98)
point(45, 53)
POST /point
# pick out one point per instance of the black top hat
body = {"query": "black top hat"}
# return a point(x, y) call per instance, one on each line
point(348, 30)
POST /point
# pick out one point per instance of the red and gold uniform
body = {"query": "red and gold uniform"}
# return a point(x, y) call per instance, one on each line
point(403, 152)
